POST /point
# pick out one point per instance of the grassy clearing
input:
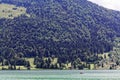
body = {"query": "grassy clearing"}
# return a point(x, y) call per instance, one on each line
point(11, 11)
point(17, 67)
point(31, 60)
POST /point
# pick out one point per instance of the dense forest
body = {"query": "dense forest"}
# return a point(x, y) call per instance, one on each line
point(70, 30)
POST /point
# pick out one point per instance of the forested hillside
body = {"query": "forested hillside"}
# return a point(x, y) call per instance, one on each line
point(70, 30)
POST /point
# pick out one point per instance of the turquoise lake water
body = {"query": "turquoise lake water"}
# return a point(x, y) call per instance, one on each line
point(61, 75)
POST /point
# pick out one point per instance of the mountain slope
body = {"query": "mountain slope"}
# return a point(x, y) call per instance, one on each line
point(66, 29)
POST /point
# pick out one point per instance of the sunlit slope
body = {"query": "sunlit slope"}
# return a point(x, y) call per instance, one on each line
point(11, 11)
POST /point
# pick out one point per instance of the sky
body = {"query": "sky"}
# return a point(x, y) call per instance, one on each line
point(110, 4)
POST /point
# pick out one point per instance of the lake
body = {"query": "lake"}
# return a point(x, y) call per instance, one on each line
point(60, 75)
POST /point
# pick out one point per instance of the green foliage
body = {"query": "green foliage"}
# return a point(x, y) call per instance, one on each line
point(67, 29)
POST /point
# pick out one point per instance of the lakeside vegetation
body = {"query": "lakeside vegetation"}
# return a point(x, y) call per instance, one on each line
point(110, 60)
point(57, 34)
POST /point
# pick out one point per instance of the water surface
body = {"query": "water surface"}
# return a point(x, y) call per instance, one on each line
point(61, 75)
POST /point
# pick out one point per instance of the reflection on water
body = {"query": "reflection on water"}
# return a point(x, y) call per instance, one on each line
point(61, 75)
